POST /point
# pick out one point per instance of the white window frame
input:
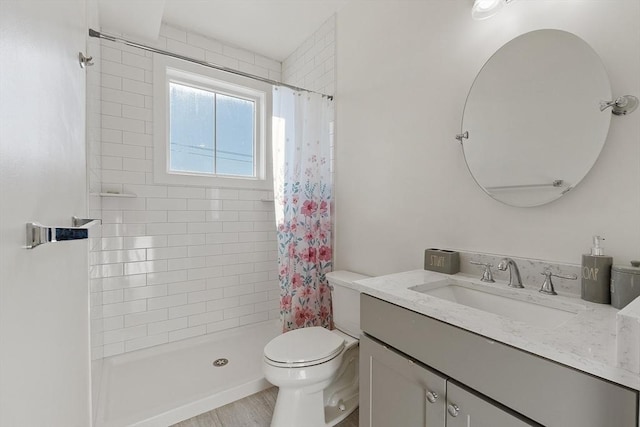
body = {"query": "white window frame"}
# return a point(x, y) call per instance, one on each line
point(168, 69)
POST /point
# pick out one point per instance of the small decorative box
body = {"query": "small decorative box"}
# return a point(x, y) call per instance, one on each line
point(442, 261)
point(625, 284)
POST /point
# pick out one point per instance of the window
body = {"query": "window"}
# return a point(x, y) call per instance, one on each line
point(210, 127)
point(210, 133)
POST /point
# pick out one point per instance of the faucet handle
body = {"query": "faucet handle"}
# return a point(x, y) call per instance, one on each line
point(547, 286)
point(487, 275)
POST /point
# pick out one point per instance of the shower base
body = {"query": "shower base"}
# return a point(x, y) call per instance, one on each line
point(163, 385)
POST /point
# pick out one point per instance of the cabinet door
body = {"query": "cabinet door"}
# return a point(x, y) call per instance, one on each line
point(465, 409)
point(397, 391)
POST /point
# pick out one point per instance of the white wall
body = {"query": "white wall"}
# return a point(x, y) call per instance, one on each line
point(174, 262)
point(404, 69)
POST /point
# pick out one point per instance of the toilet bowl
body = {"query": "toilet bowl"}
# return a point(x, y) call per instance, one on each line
point(316, 370)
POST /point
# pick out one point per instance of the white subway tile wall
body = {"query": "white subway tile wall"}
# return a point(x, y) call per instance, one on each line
point(173, 262)
point(179, 262)
point(313, 65)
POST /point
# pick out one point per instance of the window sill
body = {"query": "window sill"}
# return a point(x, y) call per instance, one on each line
point(213, 181)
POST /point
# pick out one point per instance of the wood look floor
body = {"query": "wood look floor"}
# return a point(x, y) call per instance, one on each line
point(252, 411)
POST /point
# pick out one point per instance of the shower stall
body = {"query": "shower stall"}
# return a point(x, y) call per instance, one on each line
point(183, 278)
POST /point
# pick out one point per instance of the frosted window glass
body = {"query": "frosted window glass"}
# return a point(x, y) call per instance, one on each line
point(191, 141)
point(210, 133)
point(234, 136)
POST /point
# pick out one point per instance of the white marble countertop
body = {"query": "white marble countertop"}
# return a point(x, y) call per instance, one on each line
point(586, 342)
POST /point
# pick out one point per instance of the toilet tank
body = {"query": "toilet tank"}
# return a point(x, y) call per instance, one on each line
point(345, 299)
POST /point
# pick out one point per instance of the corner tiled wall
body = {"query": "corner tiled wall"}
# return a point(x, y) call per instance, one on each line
point(173, 262)
point(313, 66)
point(94, 158)
point(94, 149)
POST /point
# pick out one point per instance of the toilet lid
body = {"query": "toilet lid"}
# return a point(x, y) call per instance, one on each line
point(304, 346)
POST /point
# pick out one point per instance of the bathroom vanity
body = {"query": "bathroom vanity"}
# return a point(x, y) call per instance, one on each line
point(425, 360)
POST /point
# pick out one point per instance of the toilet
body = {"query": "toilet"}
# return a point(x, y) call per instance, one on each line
point(316, 370)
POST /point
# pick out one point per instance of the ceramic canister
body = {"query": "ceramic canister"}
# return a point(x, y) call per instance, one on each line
point(625, 284)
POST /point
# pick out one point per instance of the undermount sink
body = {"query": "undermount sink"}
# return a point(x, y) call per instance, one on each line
point(490, 301)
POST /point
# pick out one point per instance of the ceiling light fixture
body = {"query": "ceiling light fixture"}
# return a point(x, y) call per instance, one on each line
point(483, 9)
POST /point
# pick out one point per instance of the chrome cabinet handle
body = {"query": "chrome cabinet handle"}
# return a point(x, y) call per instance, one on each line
point(453, 409)
point(432, 396)
point(38, 234)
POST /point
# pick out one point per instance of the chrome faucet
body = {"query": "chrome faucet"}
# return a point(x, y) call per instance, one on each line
point(515, 281)
point(487, 276)
point(547, 286)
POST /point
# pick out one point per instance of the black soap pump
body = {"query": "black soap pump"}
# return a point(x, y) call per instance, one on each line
point(596, 274)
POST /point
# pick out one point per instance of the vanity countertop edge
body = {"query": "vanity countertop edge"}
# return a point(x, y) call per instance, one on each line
point(586, 342)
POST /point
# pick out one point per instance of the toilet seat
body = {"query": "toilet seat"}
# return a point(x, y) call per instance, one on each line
point(303, 347)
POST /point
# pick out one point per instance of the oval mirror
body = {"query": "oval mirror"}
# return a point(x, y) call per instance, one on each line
point(533, 118)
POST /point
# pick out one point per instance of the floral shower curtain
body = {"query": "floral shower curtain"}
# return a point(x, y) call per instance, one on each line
point(302, 173)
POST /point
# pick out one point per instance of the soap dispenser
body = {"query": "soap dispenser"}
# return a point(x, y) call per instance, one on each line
point(596, 274)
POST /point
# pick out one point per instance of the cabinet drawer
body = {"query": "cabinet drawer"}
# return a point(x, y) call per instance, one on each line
point(545, 391)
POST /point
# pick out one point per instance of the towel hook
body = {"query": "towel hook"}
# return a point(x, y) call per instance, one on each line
point(85, 61)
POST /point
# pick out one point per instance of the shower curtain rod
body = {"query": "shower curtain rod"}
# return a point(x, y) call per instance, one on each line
point(98, 34)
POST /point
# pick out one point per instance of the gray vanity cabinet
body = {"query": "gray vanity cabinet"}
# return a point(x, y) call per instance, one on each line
point(405, 354)
point(396, 391)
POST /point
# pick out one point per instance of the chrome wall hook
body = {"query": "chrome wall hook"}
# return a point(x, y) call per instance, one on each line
point(85, 61)
point(461, 136)
point(621, 106)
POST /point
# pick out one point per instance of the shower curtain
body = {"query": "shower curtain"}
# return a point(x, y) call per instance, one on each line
point(302, 175)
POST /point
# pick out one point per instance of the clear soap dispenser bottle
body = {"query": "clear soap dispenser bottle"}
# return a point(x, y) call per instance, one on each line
point(596, 274)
